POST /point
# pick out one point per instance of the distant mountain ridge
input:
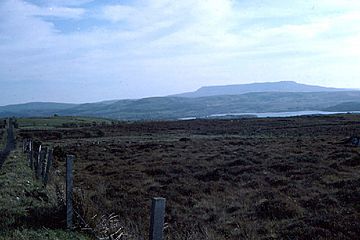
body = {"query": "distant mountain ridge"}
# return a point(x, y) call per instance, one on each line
point(168, 108)
point(273, 97)
point(37, 106)
point(283, 86)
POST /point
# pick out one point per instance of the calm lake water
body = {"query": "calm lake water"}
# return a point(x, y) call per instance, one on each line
point(272, 114)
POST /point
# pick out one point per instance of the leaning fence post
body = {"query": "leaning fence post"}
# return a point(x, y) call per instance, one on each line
point(157, 219)
point(69, 186)
point(48, 166)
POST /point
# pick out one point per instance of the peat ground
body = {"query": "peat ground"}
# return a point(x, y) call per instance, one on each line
point(276, 178)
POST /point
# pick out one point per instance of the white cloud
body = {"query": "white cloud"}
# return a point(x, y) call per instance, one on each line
point(10, 7)
point(61, 12)
point(180, 45)
point(63, 2)
point(120, 13)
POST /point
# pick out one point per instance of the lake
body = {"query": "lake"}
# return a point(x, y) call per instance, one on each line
point(272, 114)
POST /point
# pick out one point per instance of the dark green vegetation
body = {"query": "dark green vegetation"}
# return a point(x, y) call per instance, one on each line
point(21, 195)
point(7, 141)
point(27, 210)
point(2, 138)
point(3, 135)
point(286, 178)
point(46, 234)
point(176, 107)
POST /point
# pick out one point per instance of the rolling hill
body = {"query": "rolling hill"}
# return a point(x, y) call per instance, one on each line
point(278, 97)
point(33, 109)
point(344, 107)
point(177, 107)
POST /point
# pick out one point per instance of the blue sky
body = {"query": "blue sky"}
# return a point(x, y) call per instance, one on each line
point(85, 51)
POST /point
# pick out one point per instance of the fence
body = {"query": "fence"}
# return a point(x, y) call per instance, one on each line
point(40, 159)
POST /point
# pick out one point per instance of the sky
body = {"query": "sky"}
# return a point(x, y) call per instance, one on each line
point(86, 51)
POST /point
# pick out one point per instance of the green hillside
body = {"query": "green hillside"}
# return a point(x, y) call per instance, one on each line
point(345, 107)
point(179, 107)
point(176, 107)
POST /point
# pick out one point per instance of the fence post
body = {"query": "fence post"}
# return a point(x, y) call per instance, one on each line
point(31, 154)
point(69, 186)
point(36, 159)
point(40, 161)
point(157, 219)
point(24, 145)
point(44, 152)
point(48, 166)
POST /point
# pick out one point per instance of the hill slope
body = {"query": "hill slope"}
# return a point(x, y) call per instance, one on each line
point(177, 107)
point(284, 86)
point(345, 107)
point(33, 109)
point(181, 107)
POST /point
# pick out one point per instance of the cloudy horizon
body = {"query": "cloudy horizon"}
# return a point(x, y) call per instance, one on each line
point(88, 51)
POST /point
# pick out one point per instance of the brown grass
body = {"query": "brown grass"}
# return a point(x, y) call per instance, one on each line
point(288, 178)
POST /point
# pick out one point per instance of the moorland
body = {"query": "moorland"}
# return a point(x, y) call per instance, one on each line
point(270, 178)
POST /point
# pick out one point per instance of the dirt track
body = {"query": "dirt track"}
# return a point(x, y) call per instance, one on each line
point(286, 178)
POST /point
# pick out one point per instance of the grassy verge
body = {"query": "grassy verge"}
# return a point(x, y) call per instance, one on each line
point(25, 205)
point(29, 234)
point(2, 139)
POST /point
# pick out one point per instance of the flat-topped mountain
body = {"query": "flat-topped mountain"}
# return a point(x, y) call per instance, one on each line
point(284, 86)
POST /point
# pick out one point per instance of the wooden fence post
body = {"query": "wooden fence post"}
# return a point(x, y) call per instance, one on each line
point(31, 154)
point(48, 166)
point(36, 158)
point(40, 161)
point(44, 152)
point(24, 145)
point(69, 195)
point(157, 219)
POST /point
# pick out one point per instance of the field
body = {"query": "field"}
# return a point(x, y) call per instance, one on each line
point(60, 121)
point(285, 178)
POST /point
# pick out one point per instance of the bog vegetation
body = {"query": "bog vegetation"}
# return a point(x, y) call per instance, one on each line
point(286, 178)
